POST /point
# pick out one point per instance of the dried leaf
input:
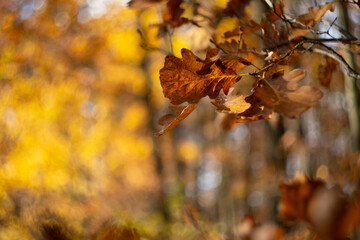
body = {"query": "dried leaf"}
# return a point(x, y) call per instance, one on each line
point(236, 7)
point(172, 15)
point(189, 79)
point(243, 108)
point(326, 70)
point(330, 214)
point(295, 196)
point(279, 9)
point(248, 230)
point(142, 4)
point(284, 95)
point(233, 105)
point(312, 17)
point(169, 121)
point(270, 34)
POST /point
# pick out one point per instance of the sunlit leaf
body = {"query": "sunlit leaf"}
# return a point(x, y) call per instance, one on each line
point(189, 79)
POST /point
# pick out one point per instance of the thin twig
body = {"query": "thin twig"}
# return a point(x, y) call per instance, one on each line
point(338, 57)
point(291, 51)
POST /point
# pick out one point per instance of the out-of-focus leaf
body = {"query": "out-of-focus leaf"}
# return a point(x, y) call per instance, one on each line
point(295, 196)
point(330, 214)
point(248, 230)
point(118, 233)
point(270, 34)
point(284, 95)
point(142, 4)
point(309, 19)
point(325, 71)
point(189, 79)
point(169, 121)
point(191, 216)
point(172, 15)
point(52, 230)
point(236, 7)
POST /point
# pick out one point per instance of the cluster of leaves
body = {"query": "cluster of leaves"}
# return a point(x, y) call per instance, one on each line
point(187, 80)
point(329, 212)
point(190, 79)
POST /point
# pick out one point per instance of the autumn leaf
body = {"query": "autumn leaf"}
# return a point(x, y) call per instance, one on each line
point(172, 15)
point(169, 121)
point(236, 7)
point(189, 79)
point(273, 15)
point(330, 214)
point(249, 230)
point(284, 95)
point(270, 34)
point(309, 19)
point(295, 196)
point(242, 108)
point(142, 4)
point(326, 70)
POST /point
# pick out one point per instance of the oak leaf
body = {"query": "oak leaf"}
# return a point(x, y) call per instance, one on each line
point(169, 121)
point(189, 79)
point(270, 34)
point(243, 108)
point(309, 19)
point(284, 95)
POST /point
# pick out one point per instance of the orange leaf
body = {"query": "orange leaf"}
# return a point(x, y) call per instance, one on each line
point(310, 18)
point(243, 108)
point(189, 79)
point(169, 121)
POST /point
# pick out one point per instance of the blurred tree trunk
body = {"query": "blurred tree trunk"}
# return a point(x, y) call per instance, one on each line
point(351, 89)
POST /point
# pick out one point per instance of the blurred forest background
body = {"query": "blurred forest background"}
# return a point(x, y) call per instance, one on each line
point(80, 97)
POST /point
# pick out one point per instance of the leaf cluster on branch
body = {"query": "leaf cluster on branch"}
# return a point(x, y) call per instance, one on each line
point(190, 78)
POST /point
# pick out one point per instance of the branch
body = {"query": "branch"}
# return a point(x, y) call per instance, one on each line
point(291, 51)
point(335, 55)
point(314, 41)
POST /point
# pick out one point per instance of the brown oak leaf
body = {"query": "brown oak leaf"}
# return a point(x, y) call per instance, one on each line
point(270, 34)
point(310, 18)
point(189, 79)
point(242, 108)
point(283, 94)
point(169, 121)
